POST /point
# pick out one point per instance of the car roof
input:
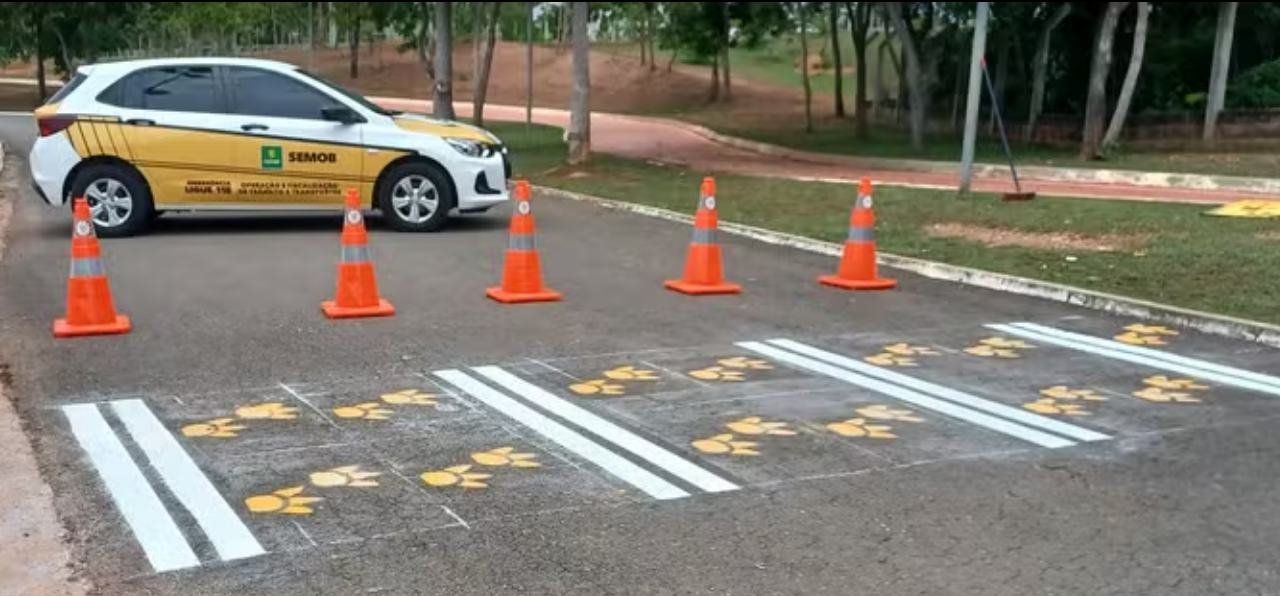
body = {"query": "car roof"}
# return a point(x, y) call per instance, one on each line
point(122, 66)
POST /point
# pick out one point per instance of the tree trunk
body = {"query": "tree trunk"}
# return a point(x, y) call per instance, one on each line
point(724, 50)
point(651, 36)
point(354, 45)
point(833, 28)
point(1041, 70)
point(675, 53)
point(477, 48)
point(878, 91)
point(914, 75)
point(859, 23)
point(486, 64)
point(958, 92)
point(713, 93)
point(580, 103)
point(426, 49)
point(1096, 103)
point(1130, 78)
point(804, 67)
point(443, 102)
point(1223, 40)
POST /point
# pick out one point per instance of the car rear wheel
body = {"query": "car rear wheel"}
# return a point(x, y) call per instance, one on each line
point(119, 201)
point(416, 197)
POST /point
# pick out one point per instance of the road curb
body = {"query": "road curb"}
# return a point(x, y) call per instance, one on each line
point(1213, 324)
point(998, 172)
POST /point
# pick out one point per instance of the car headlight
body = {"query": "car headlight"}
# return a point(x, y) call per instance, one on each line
point(470, 148)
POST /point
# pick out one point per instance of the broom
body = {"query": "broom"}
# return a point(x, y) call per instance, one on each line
point(995, 111)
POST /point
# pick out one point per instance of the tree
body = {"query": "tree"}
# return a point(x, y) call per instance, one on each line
point(833, 29)
point(1096, 102)
point(350, 17)
point(580, 103)
point(803, 18)
point(859, 26)
point(917, 83)
point(1130, 78)
point(1040, 69)
point(442, 104)
point(1222, 45)
point(490, 30)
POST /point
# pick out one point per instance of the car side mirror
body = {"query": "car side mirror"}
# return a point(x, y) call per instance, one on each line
point(340, 114)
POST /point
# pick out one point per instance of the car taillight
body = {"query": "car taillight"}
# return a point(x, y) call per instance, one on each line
point(51, 125)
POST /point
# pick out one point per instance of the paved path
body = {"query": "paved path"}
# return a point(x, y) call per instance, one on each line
point(674, 142)
point(258, 448)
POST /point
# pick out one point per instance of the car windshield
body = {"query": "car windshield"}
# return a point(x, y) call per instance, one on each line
point(356, 97)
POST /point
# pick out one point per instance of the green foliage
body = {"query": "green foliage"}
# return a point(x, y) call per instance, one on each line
point(1256, 88)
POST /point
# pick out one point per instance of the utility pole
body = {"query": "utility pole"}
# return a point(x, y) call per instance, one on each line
point(974, 105)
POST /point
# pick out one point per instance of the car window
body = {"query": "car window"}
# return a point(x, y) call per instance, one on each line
point(263, 93)
point(66, 89)
point(166, 88)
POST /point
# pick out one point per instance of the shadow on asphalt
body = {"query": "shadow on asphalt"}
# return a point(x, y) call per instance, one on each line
point(230, 225)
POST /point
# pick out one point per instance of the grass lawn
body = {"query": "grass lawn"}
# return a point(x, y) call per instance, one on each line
point(838, 138)
point(1164, 253)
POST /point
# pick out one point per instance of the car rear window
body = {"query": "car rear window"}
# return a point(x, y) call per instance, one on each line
point(67, 88)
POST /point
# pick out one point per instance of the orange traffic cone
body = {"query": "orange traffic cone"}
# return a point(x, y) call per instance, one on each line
point(703, 273)
point(357, 294)
point(90, 310)
point(858, 263)
point(522, 272)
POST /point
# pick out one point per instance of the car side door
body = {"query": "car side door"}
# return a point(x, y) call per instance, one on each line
point(172, 126)
point(291, 155)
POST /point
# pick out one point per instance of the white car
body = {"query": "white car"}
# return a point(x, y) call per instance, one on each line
point(142, 137)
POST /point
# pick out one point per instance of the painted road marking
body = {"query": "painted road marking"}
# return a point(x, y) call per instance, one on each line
point(152, 526)
point(615, 464)
point(965, 399)
point(644, 449)
point(230, 537)
point(1000, 425)
point(1144, 356)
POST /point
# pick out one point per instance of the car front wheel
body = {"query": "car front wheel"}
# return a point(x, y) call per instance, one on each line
point(416, 197)
point(119, 201)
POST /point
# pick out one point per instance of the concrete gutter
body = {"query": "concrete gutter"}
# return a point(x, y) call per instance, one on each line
point(1213, 324)
point(1242, 184)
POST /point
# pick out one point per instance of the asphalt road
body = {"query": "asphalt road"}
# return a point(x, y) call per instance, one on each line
point(259, 448)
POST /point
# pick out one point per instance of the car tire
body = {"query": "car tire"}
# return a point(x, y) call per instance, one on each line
point(96, 182)
point(396, 188)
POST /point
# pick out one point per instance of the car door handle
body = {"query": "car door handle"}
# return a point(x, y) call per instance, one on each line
point(140, 121)
point(252, 126)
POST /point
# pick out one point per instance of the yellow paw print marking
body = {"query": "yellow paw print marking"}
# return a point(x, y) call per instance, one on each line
point(1135, 339)
point(717, 373)
point(268, 411)
point(744, 362)
point(991, 352)
point(725, 444)
point(858, 427)
point(754, 425)
point(368, 411)
point(1150, 330)
point(1052, 407)
point(409, 397)
point(505, 456)
point(1067, 393)
point(349, 476)
point(222, 428)
point(597, 387)
point(630, 373)
point(905, 349)
point(882, 412)
point(887, 359)
point(1165, 382)
point(1158, 395)
point(1006, 343)
point(285, 500)
point(456, 476)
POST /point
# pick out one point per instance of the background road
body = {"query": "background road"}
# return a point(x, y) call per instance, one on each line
point(1178, 500)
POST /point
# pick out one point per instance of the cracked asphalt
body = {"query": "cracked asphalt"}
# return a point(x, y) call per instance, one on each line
point(1167, 485)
